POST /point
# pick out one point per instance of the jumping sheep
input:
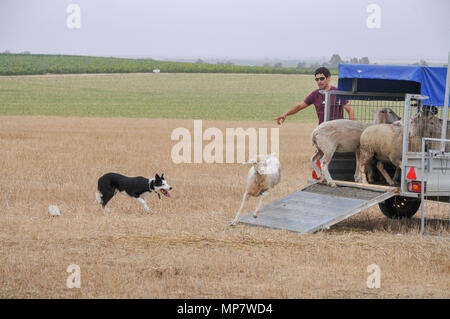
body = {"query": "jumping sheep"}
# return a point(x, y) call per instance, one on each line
point(264, 174)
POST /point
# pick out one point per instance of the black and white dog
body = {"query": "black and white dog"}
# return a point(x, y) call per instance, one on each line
point(110, 183)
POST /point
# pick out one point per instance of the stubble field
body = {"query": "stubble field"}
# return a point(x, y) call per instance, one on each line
point(187, 249)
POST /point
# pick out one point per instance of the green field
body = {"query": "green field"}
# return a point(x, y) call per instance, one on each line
point(28, 64)
point(175, 95)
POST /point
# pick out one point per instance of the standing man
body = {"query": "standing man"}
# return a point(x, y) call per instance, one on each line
point(322, 76)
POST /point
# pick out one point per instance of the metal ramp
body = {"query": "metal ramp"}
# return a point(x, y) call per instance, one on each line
point(319, 206)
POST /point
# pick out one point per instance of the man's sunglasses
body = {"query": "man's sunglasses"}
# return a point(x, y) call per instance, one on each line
point(321, 78)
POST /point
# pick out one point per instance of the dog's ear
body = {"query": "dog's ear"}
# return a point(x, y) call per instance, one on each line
point(157, 176)
point(162, 176)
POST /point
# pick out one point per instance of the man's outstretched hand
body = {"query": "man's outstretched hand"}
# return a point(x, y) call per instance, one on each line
point(280, 119)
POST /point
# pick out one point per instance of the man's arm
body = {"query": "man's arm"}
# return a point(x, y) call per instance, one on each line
point(349, 110)
point(280, 119)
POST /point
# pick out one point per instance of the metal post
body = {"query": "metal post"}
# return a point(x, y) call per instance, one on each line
point(422, 192)
point(354, 85)
point(327, 106)
point(406, 117)
point(445, 116)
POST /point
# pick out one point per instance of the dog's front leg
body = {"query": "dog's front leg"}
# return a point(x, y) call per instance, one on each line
point(140, 199)
point(235, 220)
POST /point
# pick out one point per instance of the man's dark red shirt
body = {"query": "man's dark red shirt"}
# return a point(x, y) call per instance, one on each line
point(336, 105)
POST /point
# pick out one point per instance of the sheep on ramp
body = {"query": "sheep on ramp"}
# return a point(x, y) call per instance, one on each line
point(264, 174)
point(384, 143)
point(342, 136)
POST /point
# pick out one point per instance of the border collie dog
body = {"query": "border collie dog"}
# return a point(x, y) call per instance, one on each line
point(111, 183)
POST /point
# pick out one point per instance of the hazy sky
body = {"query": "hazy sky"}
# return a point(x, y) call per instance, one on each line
point(409, 29)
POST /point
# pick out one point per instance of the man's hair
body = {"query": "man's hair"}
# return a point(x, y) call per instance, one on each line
point(322, 70)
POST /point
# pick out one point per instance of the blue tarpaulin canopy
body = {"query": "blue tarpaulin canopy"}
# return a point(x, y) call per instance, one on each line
point(429, 81)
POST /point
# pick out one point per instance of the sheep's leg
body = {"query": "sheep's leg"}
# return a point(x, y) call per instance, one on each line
point(317, 156)
point(370, 172)
point(236, 218)
point(397, 170)
point(255, 214)
point(325, 162)
point(396, 174)
point(364, 160)
point(357, 175)
point(384, 173)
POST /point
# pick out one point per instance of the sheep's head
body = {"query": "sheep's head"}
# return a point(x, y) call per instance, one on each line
point(262, 164)
point(426, 124)
point(386, 115)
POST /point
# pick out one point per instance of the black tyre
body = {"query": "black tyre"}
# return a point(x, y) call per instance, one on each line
point(400, 207)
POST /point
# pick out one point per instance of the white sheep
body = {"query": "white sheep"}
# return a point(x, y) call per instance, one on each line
point(342, 136)
point(384, 143)
point(264, 174)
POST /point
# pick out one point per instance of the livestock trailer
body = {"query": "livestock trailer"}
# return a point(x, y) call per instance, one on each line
point(408, 90)
point(425, 169)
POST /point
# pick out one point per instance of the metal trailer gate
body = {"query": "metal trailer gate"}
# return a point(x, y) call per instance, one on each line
point(435, 176)
point(435, 179)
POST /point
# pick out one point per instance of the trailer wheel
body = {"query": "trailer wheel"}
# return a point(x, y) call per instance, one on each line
point(400, 207)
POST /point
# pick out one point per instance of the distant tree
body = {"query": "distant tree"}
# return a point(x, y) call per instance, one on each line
point(6, 52)
point(354, 60)
point(421, 62)
point(278, 65)
point(335, 60)
point(267, 65)
point(301, 65)
point(229, 63)
point(364, 60)
point(200, 61)
point(26, 52)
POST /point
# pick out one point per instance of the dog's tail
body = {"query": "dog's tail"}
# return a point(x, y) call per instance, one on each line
point(98, 198)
